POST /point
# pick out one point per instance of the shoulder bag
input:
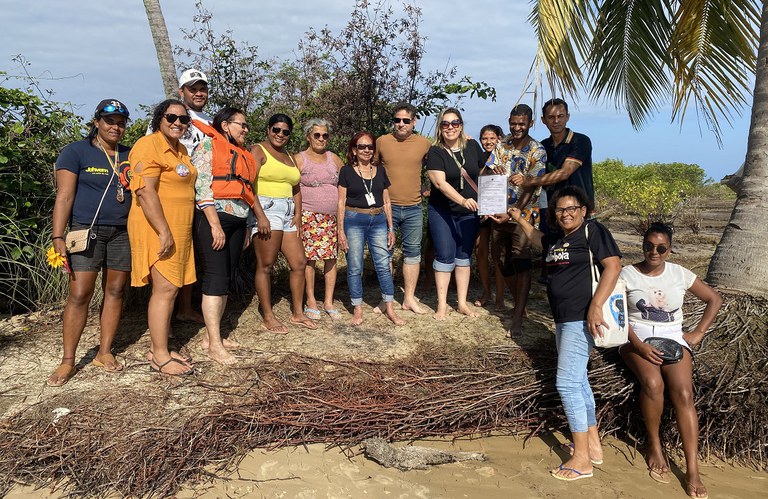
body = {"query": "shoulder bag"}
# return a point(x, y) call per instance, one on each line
point(614, 308)
point(77, 241)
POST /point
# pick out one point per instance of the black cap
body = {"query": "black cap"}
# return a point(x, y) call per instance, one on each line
point(111, 106)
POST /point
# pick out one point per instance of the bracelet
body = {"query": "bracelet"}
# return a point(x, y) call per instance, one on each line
point(57, 237)
point(390, 229)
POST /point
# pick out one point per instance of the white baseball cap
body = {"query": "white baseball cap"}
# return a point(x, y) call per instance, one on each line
point(191, 76)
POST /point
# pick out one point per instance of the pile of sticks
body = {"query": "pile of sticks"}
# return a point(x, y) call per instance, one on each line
point(132, 444)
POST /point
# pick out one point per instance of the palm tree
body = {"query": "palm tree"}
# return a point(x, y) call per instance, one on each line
point(639, 53)
point(162, 46)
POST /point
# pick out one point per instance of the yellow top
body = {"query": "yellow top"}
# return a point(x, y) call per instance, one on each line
point(276, 179)
point(176, 190)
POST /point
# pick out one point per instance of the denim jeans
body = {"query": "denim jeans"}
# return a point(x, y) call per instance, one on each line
point(410, 221)
point(574, 343)
point(453, 237)
point(361, 228)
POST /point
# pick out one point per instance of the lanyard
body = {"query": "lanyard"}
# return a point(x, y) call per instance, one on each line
point(120, 191)
point(368, 189)
point(460, 165)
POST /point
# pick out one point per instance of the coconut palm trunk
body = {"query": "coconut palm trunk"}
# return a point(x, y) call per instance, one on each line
point(162, 46)
point(741, 259)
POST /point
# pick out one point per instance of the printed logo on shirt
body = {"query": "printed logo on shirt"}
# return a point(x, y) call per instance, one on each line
point(182, 170)
point(558, 255)
point(97, 170)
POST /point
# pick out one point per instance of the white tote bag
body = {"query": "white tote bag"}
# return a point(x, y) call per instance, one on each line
point(614, 308)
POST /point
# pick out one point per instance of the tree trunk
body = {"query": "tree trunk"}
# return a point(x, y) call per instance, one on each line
point(740, 261)
point(163, 47)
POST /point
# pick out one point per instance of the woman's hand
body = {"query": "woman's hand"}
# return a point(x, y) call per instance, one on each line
point(390, 239)
point(595, 320)
point(500, 218)
point(263, 226)
point(694, 337)
point(470, 204)
point(516, 179)
point(166, 244)
point(60, 246)
point(649, 353)
point(515, 214)
point(343, 246)
point(219, 238)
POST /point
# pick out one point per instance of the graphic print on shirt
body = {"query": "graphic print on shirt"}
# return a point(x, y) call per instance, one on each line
point(559, 255)
point(657, 307)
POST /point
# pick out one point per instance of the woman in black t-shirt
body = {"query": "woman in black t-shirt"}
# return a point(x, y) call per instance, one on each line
point(577, 313)
point(365, 216)
point(453, 165)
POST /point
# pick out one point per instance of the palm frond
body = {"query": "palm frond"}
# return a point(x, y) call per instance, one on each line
point(629, 57)
point(714, 55)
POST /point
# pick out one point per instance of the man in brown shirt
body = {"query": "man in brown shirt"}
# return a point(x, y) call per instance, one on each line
point(402, 154)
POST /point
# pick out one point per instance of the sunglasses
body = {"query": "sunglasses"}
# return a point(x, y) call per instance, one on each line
point(284, 131)
point(450, 124)
point(571, 210)
point(110, 108)
point(318, 136)
point(242, 124)
point(406, 121)
point(660, 249)
point(364, 147)
point(184, 119)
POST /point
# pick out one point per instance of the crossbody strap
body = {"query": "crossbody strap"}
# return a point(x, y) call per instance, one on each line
point(595, 272)
point(101, 201)
point(469, 180)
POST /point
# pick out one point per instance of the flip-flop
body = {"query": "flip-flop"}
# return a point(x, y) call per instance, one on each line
point(579, 474)
point(689, 486)
point(305, 323)
point(312, 313)
point(98, 363)
point(333, 313)
point(659, 476)
point(569, 447)
point(159, 368)
point(62, 379)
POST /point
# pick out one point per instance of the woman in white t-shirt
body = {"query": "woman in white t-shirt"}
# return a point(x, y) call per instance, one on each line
point(655, 292)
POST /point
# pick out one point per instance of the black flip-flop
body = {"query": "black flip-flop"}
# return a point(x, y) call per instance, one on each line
point(159, 368)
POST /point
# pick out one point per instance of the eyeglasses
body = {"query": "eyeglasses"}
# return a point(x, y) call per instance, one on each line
point(364, 147)
point(110, 108)
point(649, 246)
point(284, 131)
point(450, 124)
point(571, 210)
point(406, 121)
point(183, 118)
point(243, 124)
point(318, 136)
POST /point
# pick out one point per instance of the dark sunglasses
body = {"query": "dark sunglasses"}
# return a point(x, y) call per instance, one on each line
point(660, 249)
point(364, 147)
point(407, 121)
point(183, 118)
point(453, 124)
point(277, 131)
point(109, 108)
point(242, 124)
point(318, 136)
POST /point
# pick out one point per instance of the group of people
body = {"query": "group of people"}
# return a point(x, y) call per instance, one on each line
point(192, 187)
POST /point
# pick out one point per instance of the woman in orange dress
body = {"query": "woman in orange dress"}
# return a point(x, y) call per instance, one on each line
point(160, 225)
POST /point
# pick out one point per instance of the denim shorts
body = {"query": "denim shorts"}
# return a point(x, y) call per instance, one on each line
point(108, 248)
point(279, 212)
point(410, 221)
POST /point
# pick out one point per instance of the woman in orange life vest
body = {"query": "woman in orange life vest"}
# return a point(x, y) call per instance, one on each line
point(224, 197)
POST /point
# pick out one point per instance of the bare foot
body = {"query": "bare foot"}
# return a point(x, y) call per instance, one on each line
point(515, 329)
point(221, 355)
point(274, 326)
point(231, 344)
point(380, 308)
point(391, 315)
point(483, 300)
point(357, 316)
point(573, 469)
point(694, 487)
point(464, 309)
point(190, 316)
point(413, 306)
point(499, 305)
point(107, 361)
point(440, 314)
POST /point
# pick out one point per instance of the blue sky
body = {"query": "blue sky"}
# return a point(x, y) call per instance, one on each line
point(86, 50)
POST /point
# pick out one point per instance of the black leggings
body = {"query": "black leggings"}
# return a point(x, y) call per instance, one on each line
point(218, 266)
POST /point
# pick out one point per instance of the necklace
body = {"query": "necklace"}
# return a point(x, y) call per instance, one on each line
point(120, 191)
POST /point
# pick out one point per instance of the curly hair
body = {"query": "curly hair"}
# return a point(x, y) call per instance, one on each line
point(160, 110)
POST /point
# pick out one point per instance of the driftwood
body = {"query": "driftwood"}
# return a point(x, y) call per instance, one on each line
point(131, 443)
point(412, 457)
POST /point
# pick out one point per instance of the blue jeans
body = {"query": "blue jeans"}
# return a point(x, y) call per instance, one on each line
point(574, 343)
point(361, 228)
point(453, 237)
point(410, 221)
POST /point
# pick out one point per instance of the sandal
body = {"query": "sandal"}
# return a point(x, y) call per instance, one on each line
point(159, 368)
point(109, 368)
point(312, 313)
point(333, 313)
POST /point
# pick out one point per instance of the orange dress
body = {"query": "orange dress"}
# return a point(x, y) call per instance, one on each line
point(176, 190)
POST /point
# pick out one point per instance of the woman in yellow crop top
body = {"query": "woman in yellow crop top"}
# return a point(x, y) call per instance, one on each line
point(277, 186)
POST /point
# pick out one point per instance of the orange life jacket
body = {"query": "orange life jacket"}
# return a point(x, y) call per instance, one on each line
point(234, 168)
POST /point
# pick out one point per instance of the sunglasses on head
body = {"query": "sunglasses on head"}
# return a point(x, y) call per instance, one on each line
point(450, 124)
point(364, 147)
point(284, 131)
point(406, 121)
point(184, 119)
point(110, 108)
point(318, 136)
point(649, 246)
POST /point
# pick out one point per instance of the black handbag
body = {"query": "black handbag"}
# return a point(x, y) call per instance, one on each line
point(671, 351)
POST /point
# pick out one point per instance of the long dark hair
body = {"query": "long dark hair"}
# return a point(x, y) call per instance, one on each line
point(160, 110)
point(572, 191)
point(353, 143)
point(225, 114)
